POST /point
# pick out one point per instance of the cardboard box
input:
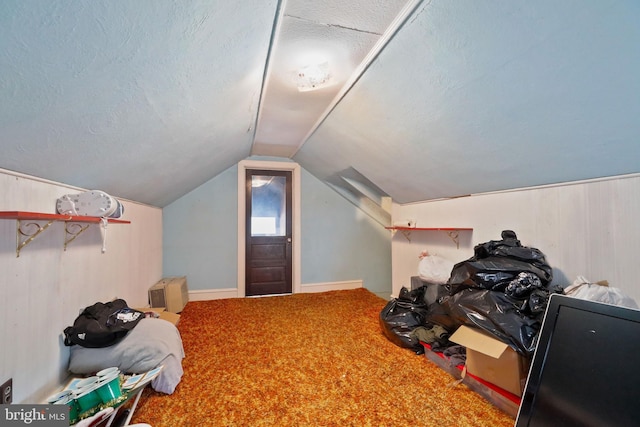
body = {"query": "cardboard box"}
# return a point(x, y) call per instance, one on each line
point(492, 360)
point(164, 314)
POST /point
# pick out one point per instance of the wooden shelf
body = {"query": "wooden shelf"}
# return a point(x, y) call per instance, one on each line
point(452, 232)
point(28, 230)
point(430, 228)
point(37, 216)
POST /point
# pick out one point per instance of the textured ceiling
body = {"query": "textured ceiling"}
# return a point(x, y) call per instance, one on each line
point(341, 36)
point(147, 100)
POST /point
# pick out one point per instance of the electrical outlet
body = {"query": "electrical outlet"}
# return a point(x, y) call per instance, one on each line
point(6, 392)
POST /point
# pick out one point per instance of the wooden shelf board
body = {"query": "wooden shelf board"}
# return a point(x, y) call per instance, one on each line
point(38, 216)
point(430, 228)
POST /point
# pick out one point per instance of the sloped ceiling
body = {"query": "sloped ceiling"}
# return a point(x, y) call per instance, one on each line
point(147, 100)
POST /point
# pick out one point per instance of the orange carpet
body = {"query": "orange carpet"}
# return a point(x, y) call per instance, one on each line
point(306, 360)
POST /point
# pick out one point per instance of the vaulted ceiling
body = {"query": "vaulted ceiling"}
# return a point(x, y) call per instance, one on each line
point(416, 100)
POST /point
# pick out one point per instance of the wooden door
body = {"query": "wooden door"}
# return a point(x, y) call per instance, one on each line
point(268, 232)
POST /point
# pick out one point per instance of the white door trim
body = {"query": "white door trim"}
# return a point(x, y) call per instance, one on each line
point(295, 229)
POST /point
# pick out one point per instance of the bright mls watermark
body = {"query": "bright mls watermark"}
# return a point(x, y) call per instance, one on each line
point(34, 415)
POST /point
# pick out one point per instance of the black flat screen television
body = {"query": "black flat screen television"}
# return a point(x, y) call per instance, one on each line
point(585, 369)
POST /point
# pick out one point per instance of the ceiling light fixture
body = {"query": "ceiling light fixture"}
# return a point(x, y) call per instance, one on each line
point(312, 77)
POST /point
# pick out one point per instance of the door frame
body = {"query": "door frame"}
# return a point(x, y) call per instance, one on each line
point(295, 218)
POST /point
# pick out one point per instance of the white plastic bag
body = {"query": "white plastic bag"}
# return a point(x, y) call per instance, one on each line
point(582, 288)
point(434, 268)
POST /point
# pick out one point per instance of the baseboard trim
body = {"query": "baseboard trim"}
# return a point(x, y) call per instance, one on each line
point(330, 286)
point(211, 294)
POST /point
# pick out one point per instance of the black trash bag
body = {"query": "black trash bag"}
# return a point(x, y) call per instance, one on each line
point(102, 324)
point(503, 289)
point(514, 321)
point(539, 299)
point(523, 284)
point(432, 292)
point(439, 313)
point(507, 318)
point(402, 315)
point(497, 263)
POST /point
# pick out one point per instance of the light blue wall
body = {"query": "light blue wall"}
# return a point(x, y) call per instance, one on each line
point(341, 242)
point(200, 238)
point(338, 243)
